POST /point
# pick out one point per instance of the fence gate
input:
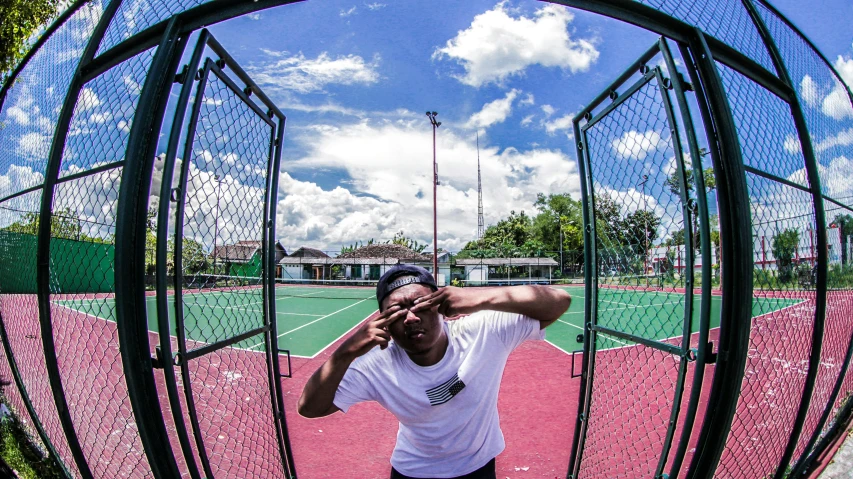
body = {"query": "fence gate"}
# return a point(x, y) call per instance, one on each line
point(646, 221)
point(219, 195)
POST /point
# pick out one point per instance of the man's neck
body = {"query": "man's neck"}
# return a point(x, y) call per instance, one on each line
point(433, 355)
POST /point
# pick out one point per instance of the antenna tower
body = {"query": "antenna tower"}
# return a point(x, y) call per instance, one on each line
point(480, 223)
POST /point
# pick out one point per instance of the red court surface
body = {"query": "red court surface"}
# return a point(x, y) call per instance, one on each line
point(538, 403)
point(537, 407)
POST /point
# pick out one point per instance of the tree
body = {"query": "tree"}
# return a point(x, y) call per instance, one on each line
point(21, 20)
point(64, 224)
point(608, 220)
point(845, 224)
point(193, 257)
point(558, 213)
point(640, 230)
point(403, 240)
point(674, 185)
point(785, 245)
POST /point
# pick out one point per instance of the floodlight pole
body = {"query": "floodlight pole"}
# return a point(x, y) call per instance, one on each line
point(646, 229)
point(435, 124)
point(218, 181)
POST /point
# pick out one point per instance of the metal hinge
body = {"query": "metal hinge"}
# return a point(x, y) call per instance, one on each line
point(182, 77)
point(157, 359)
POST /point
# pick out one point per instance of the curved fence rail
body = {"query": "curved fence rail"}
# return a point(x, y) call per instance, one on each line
point(767, 314)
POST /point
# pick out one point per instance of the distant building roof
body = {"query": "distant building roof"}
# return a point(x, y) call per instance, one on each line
point(306, 252)
point(240, 252)
point(339, 260)
point(506, 262)
point(383, 251)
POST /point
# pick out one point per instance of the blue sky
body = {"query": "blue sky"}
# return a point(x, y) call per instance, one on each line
point(355, 78)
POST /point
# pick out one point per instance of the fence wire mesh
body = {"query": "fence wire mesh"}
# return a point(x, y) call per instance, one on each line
point(630, 410)
point(727, 20)
point(85, 332)
point(31, 106)
point(643, 257)
point(20, 315)
point(638, 214)
point(224, 216)
point(103, 116)
point(781, 330)
point(134, 16)
point(638, 174)
point(828, 113)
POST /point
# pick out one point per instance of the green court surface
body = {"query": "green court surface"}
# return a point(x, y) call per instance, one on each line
point(311, 319)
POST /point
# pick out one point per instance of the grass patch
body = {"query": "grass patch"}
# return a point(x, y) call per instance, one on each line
point(21, 453)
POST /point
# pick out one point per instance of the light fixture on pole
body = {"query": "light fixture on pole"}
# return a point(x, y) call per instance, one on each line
point(435, 124)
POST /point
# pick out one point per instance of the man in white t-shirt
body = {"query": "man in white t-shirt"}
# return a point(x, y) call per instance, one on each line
point(439, 378)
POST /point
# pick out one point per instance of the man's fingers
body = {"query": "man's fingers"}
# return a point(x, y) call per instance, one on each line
point(384, 320)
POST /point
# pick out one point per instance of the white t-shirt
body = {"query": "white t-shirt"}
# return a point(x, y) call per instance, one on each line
point(448, 412)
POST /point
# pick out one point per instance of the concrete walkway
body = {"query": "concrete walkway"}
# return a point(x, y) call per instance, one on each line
point(841, 466)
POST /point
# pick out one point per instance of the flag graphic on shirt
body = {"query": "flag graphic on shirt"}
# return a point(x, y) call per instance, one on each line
point(445, 391)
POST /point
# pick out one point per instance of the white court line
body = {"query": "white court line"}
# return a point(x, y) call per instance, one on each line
point(576, 326)
point(310, 323)
point(339, 337)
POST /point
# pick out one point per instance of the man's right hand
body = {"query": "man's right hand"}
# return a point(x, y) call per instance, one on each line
point(372, 333)
point(318, 397)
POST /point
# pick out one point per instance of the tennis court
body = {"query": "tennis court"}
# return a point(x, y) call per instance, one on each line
point(310, 318)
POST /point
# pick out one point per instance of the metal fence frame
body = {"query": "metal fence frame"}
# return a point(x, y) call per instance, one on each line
point(169, 35)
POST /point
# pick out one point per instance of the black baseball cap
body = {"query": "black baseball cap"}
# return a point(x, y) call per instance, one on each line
point(401, 275)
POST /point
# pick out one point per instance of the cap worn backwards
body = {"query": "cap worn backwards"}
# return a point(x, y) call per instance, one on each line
point(401, 275)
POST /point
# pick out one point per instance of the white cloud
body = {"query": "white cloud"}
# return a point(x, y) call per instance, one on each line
point(254, 16)
point(19, 115)
point(34, 145)
point(833, 99)
point(305, 75)
point(809, 91)
point(18, 178)
point(634, 144)
point(845, 69)
point(837, 103)
point(389, 164)
point(375, 5)
point(792, 144)
point(493, 112)
point(87, 100)
point(548, 110)
point(835, 178)
point(123, 126)
point(558, 124)
point(346, 13)
point(100, 118)
point(528, 100)
point(133, 87)
point(527, 120)
point(497, 45)
point(843, 138)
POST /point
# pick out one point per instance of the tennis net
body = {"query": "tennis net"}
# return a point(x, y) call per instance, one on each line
point(284, 288)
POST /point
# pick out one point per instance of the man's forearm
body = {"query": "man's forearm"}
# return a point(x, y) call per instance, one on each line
point(538, 302)
point(318, 397)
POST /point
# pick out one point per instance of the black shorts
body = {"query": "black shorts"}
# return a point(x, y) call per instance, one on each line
point(485, 472)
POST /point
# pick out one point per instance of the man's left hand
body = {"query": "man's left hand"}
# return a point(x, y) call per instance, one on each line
point(451, 301)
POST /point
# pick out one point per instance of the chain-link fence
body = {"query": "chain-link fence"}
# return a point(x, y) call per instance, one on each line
point(718, 227)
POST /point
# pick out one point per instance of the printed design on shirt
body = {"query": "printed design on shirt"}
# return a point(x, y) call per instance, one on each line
point(445, 391)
